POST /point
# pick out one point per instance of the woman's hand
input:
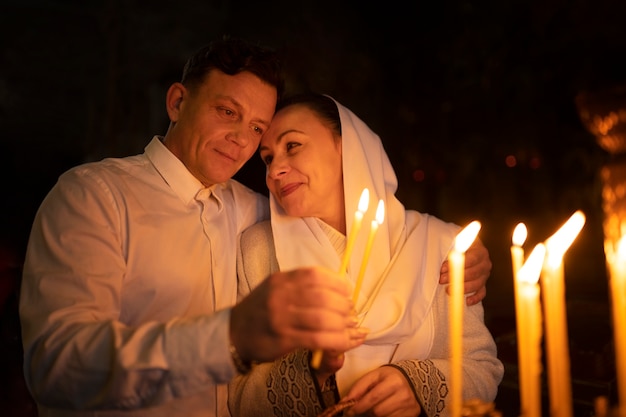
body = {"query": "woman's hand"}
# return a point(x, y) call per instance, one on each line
point(383, 392)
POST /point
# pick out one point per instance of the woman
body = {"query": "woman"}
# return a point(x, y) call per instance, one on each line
point(319, 157)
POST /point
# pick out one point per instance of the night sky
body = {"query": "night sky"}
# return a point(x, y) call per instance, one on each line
point(452, 87)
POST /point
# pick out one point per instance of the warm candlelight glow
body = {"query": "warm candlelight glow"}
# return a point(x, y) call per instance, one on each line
point(519, 234)
point(364, 202)
point(456, 262)
point(380, 216)
point(354, 230)
point(560, 242)
point(529, 332)
point(530, 271)
point(553, 290)
point(466, 237)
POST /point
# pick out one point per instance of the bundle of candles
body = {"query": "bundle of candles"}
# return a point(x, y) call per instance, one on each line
point(541, 306)
point(550, 322)
point(354, 230)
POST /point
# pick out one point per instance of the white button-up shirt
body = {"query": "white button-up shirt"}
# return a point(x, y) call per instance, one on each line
point(128, 279)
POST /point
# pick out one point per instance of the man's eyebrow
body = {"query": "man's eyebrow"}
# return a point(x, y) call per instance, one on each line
point(265, 123)
point(281, 136)
point(235, 103)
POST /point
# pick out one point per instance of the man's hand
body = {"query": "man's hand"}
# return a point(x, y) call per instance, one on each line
point(305, 308)
point(477, 270)
point(382, 392)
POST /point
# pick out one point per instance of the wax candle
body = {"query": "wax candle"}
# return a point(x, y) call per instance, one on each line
point(364, 200)
point(517, 260)
point(616, 260)
point(354, 230)
point(380, 215)
point(456, 262)
point(556, 337)
point(529, 332)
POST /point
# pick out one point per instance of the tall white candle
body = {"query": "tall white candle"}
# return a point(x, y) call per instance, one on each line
point(380, 216)
point(354, 230)
point(456, 261)
point(529, 332)
point(616, 260)
point(553, 291)
point(517, 260)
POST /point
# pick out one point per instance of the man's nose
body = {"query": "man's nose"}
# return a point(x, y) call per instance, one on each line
point(238, 137)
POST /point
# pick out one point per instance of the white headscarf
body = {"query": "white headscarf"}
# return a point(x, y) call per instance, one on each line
point(403, 270)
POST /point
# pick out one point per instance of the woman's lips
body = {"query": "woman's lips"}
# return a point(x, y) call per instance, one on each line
point(289, 188)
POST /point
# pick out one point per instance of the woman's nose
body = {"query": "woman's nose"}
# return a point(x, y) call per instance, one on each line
point(277, 168)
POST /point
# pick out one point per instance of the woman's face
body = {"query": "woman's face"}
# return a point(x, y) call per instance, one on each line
point(304, 171)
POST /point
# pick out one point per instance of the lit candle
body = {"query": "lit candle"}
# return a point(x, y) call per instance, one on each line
point(553, 290)
point(517, 252)
point(354, 230)
point(529, 332)
point(616, 260)
point(364, 202)
point(380, 215)
point(517, 259)
point(456, 262)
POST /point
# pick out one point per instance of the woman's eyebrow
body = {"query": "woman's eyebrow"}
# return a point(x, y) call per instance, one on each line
point(281, 136)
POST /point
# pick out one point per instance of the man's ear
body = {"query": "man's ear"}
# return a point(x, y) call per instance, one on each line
point(174, 99)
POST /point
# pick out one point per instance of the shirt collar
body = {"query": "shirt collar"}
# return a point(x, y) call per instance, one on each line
point(174, 172)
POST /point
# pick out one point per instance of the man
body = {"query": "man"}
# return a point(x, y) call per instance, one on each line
point(129, 286)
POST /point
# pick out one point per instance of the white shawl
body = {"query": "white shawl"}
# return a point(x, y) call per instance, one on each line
point(403, 270)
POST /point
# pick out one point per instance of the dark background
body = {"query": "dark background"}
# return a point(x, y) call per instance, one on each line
point(453, 88)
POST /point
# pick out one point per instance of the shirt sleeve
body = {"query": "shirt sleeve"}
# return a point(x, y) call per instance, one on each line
point(77, 352)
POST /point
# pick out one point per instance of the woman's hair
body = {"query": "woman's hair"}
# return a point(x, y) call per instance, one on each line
point(323, 106)
point(232, 56)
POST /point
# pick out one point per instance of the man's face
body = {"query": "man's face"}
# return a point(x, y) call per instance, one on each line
point(217, 126)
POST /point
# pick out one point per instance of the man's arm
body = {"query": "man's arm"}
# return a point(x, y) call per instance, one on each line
point(78, 354)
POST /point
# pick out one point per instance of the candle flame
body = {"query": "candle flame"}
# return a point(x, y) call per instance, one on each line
point(530, 271)
point(560, 241)
point(364, 201)
point(519, 234)
point(466, 237)
point(380, 212)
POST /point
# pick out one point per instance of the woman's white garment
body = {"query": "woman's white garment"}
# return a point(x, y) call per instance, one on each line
point(403, 270)
point(397, 298)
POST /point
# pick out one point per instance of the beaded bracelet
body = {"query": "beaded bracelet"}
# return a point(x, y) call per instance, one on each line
point(242, 367)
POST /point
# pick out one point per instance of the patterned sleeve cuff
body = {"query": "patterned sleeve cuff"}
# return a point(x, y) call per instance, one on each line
point(428, 383)
point(292, 387)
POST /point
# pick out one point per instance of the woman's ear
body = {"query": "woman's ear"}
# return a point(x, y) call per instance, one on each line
point(174, 99)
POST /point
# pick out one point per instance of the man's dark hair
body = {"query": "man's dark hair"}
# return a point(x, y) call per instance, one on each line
point(232, 56)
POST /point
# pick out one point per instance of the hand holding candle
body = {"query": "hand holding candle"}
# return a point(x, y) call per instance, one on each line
point(456, 261)
point(380, 215)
